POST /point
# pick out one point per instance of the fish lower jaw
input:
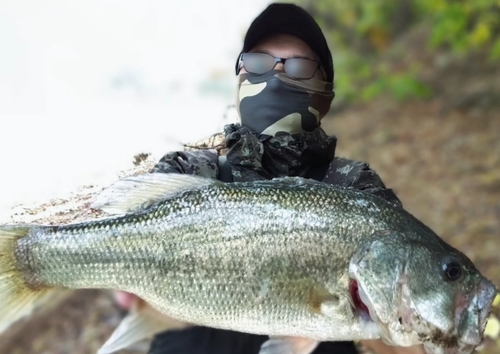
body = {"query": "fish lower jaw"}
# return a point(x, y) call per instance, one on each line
point(370, 328)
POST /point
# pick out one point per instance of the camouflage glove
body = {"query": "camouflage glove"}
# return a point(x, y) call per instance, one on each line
point(200, 162)
point(358, 175)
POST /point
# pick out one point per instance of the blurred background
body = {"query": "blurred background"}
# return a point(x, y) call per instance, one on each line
point(86, 86)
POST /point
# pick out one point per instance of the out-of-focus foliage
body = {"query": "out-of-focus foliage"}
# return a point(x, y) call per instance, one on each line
point(359, 31)
point(464, 25)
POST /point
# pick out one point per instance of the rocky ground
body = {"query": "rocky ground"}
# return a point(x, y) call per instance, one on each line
point(441, 156)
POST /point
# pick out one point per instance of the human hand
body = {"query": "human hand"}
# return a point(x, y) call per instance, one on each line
point(125, 300)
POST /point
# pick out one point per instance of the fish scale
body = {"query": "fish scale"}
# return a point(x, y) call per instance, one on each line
point(203, 244)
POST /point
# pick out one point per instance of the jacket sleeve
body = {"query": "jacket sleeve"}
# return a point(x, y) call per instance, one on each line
point(198, 162)
point(204, 340)
point(358, 175)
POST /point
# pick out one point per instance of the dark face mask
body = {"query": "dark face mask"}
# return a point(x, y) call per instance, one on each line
point(273, 102)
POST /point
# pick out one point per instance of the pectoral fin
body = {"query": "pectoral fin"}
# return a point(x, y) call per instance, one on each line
point(142, 322)
point(288, 345)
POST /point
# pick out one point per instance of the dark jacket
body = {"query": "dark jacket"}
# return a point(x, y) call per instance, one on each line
point(310, 155)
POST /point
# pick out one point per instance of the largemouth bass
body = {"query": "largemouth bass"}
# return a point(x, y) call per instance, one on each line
point(295, 259)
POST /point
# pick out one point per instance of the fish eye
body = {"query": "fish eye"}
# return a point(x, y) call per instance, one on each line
point(452, 269)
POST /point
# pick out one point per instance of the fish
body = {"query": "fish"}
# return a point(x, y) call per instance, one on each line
point(293, 258)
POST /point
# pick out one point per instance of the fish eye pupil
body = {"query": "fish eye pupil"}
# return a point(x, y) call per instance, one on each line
point(452, 270)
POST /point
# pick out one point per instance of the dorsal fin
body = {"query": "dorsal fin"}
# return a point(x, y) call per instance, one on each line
point(137, 192)
point(297, 181)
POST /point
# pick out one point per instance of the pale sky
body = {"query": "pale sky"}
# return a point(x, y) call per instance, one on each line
point(86, 85)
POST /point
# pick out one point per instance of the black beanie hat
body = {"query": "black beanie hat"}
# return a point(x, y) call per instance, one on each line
point(289, 19)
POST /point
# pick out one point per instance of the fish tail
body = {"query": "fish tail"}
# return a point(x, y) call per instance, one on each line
point(17, 299)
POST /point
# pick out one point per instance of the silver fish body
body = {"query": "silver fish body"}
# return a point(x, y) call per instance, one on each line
point(288, 257)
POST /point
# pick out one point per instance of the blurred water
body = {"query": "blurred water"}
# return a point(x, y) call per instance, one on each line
point(84, 86)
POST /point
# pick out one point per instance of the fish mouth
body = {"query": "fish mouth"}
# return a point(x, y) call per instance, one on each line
point(360, 302)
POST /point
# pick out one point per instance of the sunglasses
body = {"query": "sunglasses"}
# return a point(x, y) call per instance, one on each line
point(261, 63)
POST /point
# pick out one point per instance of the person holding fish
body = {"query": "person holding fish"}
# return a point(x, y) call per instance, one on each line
point(286, 76)
point(278, 247)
